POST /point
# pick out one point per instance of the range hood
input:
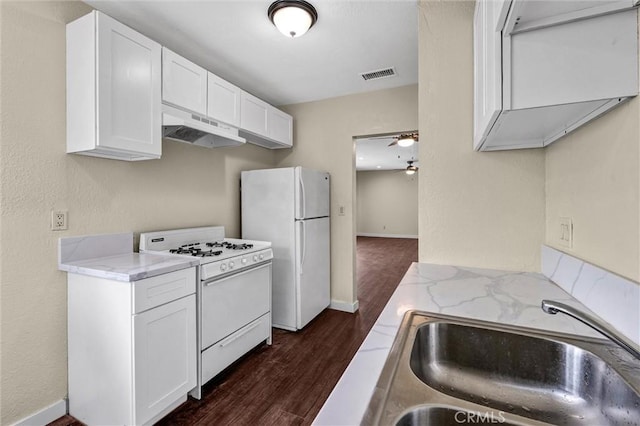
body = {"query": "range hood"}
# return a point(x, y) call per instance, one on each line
point(183, 126)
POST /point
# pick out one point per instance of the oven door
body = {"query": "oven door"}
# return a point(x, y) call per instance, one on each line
point(233, 301)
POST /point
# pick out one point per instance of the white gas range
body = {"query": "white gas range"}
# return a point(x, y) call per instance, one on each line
point(233, 292)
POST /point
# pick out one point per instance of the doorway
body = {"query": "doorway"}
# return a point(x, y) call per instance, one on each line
point(386, 216)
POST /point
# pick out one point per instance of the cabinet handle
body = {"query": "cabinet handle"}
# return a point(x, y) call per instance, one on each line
point(235, 337)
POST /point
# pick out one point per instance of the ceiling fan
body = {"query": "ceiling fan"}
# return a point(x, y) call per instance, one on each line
point(404, 140)
point(411, 169)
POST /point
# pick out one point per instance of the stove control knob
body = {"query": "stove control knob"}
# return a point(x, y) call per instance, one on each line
point(223, 267)
point(244, 261)
point(255, 257)
point(261, 256)
point(231, 264)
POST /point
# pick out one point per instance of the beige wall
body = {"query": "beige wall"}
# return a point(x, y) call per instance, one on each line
point(476, 209)
point(323, 134)
point(593, 177)
point(387, 203)
point(102, 196)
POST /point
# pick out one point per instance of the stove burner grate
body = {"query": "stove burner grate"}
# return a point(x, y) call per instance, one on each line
point(194, 251)
point(230, 246)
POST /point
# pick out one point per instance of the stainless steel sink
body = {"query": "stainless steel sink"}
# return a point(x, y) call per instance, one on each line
point(448, 416)
point(445, 369)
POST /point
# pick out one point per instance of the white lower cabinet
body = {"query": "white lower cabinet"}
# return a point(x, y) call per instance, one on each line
point(164, 356)
point(129, 367)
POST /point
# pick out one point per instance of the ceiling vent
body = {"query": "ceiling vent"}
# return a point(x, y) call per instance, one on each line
point(377, 74)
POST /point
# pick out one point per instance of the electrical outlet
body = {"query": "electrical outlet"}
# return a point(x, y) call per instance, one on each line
point(59, 220)
point(566, 232)
point(341, 211)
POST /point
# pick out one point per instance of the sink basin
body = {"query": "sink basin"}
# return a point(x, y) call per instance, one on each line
point(442, 368)
point(448, 416)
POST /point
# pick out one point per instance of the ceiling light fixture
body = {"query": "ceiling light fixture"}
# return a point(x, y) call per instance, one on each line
point(406, 140)
point(292, 18)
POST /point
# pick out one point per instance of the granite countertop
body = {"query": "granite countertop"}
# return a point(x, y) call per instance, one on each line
point(128, 267)
point(490, 295)
point(111, 256)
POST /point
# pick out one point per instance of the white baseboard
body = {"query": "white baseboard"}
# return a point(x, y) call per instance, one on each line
point(46, 415)
point(367, 234)
point(344, 306)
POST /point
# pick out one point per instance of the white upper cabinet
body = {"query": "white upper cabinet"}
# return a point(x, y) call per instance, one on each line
point(533, 87)
point(264, 125)
point(184, 84)
point(113, 90)
point(487, 66)
point(527, 15)
point(280, 126)
point(223, 101)
point(254, 114)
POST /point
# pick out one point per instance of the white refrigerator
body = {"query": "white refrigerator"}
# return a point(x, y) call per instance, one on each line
point(290, 207)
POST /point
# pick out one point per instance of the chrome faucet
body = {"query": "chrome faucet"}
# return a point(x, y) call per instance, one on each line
point(553, 307)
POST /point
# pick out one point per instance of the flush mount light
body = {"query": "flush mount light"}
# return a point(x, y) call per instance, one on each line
point(292, 18)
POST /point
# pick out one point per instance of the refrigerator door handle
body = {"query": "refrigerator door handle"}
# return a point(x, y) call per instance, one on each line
point(303, 243)
point(302, 199)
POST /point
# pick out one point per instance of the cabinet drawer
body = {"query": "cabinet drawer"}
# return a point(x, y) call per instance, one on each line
point(225, 352)
point(164, 288)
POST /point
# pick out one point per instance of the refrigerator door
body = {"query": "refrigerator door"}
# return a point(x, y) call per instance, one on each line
point(268, 215)
point(312, 193)
point(312, 269)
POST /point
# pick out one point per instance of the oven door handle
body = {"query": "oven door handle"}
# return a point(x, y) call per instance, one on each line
point(234, 274)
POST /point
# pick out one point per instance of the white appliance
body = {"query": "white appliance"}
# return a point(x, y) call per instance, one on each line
point(290, 208)
point(233, 293)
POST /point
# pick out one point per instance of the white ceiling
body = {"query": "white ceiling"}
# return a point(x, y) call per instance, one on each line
point(376, 154)
point(236, 40)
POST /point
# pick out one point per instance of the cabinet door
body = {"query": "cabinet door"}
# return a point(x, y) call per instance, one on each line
point(487, 68)
point(527, 15)
point(254, 114)
point(223, 101)
point(164, 357)
point(129, 84)
point(184, 84)
point(280, 126)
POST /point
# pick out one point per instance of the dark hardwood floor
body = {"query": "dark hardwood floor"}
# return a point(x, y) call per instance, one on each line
point(288, 382)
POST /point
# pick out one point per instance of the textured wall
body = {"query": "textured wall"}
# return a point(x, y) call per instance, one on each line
point(102, 196)
point(476, 209)
point(387, 203)
point(593, 177)
point(324, 132)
